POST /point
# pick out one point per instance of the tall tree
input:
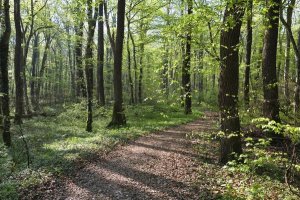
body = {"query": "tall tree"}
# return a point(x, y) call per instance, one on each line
point(4, 85)
point(80, 82)
point(18, 64)
point(186, 67)
point(118, 117)
point(229, 81)
point(248, 53)
point(42, 70)
point(100, 76)
point(89, 71)
point(270, 83)
point(131, 86)
point(34, 63)
point(289, 14)
point(296, 47)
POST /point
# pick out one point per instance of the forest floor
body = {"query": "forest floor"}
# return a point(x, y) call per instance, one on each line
point(161, 165)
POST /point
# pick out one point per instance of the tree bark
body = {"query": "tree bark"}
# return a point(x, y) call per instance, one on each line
point(270, 83)
point(229, 82)
point(248, 53)
point(42, 70)
point(35, 61)
point(134, 67)
point(288, 53)
point(140, 89)
point(129, 64)
point(4, 85)
point(89, 64)
point(186, 67)
point(18, 65)
point(118, 117)
point(100, 76)
point(80, 82)
point(297, 89)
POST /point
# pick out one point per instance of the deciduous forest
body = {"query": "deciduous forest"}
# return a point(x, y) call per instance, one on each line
point(150, 99)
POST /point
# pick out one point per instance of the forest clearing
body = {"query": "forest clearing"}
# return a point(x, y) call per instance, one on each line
point(150, 99)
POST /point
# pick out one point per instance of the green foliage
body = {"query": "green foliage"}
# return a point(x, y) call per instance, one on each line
point(6, 164)
point(291, 132)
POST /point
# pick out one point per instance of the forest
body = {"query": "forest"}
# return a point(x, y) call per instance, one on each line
point(150, 99)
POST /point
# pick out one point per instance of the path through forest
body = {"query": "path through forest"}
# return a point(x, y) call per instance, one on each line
point(161, 165)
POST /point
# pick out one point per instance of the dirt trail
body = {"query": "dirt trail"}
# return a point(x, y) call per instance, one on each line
point(162, 165)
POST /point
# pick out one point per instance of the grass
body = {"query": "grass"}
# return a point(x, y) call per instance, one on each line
point(55, 143)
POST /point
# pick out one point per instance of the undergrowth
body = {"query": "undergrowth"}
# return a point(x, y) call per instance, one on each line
point(263, 171)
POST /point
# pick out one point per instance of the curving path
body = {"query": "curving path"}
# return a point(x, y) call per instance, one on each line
point(162, 165)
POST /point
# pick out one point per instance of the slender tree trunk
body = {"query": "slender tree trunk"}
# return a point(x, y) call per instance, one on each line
point(129, 64)
point(200, 75)
point(26, 97)
point(140, 91)
point(71, 67)
point(288, 53)
point(186, 68)
point(135, 67)
point(4, 85)
point(118, 117)
point(100, 76)
point(42, 70)
point(35, 61)
point(165, 72)
point(229, 82)
point(89, 64)
point(270, 83)
point(80, 82)
point(297, 89)
point(248, 53)
point(18, 65)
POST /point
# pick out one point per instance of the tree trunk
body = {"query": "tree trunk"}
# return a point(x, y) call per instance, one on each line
point(270, 84)
point(186, 68)
point(248, 53)
point(71, 66)
point(42, 70)
point(129, 65)
point(229, 83)
point(80, 83)
point(140, 91)
point(118, 117)
point(288, 53)
point(35, 61)
point(165, 71)
point(4, 85)
point(100, 76)
point(135, 67)
point(89, 64)
point(297, 90)
point(18, 65)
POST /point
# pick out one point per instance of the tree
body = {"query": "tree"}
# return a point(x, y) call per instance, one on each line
point(89, 62)
point(248, 53)
point(186, 67)
point(296, 47)
point(4, 82)
point(100, 78)
point(18, 64)
point(118, 117)
point(80, 82)
point(229, 81)
point(270, 84)
point(289, 14)
point(35, 61)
